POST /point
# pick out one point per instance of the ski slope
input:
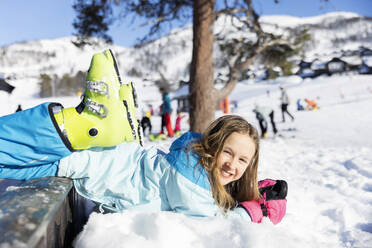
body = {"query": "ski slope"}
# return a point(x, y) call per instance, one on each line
point(327, 163)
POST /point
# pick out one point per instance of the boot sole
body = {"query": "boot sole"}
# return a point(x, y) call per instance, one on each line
point(116, 67)
point(129, 115)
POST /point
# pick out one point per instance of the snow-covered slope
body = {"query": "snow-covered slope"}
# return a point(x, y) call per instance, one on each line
point(326, 160)
point(57, 56)
point(331, 33)
point(293, 22)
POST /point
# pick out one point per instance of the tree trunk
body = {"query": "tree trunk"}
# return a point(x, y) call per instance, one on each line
point(202, 92)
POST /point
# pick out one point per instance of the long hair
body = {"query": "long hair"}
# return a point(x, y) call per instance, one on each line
point(210, 147)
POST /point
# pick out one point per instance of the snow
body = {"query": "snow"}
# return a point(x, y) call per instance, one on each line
point(168, 229)
point(327, 164)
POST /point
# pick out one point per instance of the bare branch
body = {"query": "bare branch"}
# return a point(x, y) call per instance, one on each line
point(162, 18)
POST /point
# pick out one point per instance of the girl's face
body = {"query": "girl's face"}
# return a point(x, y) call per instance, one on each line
point(236, 155)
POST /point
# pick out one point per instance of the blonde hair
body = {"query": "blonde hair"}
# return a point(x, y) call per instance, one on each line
point(210, 147)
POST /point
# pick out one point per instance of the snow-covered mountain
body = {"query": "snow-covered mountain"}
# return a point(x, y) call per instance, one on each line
point(171, 55)
point(331, 33)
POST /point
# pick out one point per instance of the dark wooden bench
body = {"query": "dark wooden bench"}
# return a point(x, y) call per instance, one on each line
point(45, 212)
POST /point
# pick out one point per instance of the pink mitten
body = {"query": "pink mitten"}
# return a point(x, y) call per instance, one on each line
point(273, 204)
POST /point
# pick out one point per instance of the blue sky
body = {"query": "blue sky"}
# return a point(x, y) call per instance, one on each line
point(23, 20)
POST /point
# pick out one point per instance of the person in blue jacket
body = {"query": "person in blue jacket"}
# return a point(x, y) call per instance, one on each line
point(166, 112)
point(209, 174)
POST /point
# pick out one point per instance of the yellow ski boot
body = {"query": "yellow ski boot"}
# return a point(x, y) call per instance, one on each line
point(101, 118)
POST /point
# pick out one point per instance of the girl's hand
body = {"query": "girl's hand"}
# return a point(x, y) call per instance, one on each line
point(273, 205)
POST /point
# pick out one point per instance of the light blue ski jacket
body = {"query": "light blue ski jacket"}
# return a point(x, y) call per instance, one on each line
point(126, 176)
point(130, 177)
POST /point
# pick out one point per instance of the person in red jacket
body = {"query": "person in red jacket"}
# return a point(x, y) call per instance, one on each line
point(177, 127)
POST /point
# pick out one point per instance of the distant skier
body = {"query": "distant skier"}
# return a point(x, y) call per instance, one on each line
point(177, 128)
point(263, 113)
point(234, 106)
point(146, 123)
point(284, 103)
point(311, 104)
point(166, 111)
point(299, 105)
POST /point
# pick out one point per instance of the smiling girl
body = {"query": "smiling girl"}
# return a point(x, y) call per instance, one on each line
point(229, 151)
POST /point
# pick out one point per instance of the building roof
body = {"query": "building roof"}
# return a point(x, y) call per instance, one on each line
point(352, 60)
point(181, 92)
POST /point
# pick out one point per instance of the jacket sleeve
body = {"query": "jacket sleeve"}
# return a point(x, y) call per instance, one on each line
point(100, 162)
point(126, 176)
